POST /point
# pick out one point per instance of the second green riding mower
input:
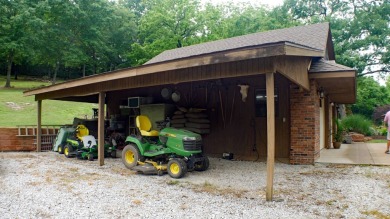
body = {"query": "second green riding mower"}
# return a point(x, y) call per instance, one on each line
point(84, 146)
point(171, 150)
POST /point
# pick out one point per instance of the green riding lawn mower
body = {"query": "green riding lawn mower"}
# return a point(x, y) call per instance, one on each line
point(78, 143)
point(171, 150)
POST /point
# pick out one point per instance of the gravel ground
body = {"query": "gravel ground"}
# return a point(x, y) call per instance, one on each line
point(48, 185)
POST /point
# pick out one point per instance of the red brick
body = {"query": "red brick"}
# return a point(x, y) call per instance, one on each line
point(305, 116)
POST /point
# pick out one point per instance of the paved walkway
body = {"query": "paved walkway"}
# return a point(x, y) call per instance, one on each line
point(356, 153)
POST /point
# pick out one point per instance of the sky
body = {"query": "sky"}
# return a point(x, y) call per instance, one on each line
point(270, 3)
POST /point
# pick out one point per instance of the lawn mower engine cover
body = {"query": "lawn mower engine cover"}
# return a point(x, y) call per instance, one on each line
point(181, 140)
point(89, 141)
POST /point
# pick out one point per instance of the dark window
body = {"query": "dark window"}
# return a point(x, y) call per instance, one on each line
point(261, 103)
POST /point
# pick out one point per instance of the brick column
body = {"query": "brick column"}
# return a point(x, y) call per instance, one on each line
point(305, 125)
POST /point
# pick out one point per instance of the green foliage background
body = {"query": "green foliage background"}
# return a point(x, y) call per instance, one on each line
point(357, 123)
point(71, 39)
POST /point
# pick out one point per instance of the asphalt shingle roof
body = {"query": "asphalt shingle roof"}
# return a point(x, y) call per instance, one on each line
point(322, 65)
point(314, 36)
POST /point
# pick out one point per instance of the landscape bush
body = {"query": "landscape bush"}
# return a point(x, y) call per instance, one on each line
point(381, 130)
point(358, 123)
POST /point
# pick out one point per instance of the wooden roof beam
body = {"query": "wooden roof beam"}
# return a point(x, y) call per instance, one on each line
point(272, 50)
point(295, 69)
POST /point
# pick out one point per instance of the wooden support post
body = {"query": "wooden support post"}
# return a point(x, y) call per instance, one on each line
point(327, 124)
point(102, 98)
point(270, 134)
point(39, 125)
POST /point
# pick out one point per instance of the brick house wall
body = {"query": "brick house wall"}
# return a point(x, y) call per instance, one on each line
point(9, 141)
point(305, 125)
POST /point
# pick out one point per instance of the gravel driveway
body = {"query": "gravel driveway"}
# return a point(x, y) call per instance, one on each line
point(48, 185)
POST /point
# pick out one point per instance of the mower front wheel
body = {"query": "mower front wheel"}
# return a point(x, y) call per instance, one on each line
point(60, 149)
point(177, 168)
point(90, 157)
point(202, 165)
point(131, 155)
point(67, 150)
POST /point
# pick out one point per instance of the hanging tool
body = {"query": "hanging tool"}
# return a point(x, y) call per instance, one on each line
point(221, 103)
point(231, 112)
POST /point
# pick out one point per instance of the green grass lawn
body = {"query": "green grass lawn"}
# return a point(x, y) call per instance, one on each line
point(15, 109)
point(377, 141)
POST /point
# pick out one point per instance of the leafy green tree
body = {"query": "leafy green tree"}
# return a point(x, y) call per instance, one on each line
point(120, 34)
point(91, 37)
point(230, 20)
point(370, 94)
point(136, 7)
point(18, 22)
point(58, 44)
point(165, 24)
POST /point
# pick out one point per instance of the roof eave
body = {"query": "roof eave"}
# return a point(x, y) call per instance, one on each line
point(338, 85)
point(279, 49)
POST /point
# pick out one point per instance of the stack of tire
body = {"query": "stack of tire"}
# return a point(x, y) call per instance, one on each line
point(178, 120)
point(197, 122)
point(194, 120)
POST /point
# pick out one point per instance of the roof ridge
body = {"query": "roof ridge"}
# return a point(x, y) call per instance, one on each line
point(313, 36)
point(252, 34)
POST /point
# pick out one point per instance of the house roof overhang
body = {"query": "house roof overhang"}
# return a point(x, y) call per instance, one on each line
point(338, 81)
point(88, 89)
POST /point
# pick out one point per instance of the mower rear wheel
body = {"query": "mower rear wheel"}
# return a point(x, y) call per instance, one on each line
point(67, 150)
point(113, 154)
point(177, 168)
point(202, 165)
point(131, 155)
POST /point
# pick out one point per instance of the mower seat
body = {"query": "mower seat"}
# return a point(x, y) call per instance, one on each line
point(144, 125)
point(81, 131)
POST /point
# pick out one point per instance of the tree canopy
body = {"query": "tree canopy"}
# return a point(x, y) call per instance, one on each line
point(75, 38)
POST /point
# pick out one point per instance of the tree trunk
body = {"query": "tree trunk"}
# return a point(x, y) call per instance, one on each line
point(84, 70)
point(55, 72)
point(10, 61)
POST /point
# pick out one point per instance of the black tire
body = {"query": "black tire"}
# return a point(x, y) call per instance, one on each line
point(113, 154)
point(131, 155)
point(60, 149)
point(90, 157)
point(67, 150)
point(177, 168)
point(202, 165)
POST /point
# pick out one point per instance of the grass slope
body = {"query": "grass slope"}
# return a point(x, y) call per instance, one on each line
point(15, 109)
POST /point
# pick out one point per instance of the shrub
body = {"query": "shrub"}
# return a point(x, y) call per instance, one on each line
point(357, 123)
point(381, 130)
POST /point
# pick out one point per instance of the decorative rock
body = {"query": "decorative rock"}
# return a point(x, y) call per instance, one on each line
point(356, 137)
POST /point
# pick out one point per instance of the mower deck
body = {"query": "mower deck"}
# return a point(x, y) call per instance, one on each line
point(150, 168)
